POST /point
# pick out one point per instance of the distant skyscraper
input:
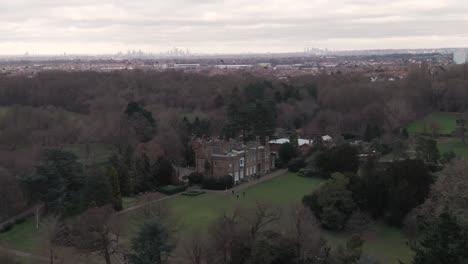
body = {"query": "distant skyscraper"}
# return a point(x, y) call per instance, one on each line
point(460, 56)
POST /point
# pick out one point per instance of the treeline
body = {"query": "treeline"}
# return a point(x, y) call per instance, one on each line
point(54, 109)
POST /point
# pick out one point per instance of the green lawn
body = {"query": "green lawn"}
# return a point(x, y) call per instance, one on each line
point(446, 122)
point(197, 213)
point(23, 237)
point(190, 213)
point(455, 145)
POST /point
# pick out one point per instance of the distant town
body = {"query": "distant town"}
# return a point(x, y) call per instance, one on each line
point(377, 65)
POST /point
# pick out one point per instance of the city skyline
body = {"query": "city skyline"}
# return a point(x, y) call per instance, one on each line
point(230, 27)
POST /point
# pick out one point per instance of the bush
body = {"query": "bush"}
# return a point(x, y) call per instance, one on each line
point(222, 183)
point(7, 227)
point(358, 222)
point(296, 164)
point(195, 178)
point(193, 193)
point(172, 189)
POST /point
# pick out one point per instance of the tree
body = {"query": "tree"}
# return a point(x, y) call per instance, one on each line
point(461, 130)
point(97, 231)
point(450, 191)
point(272, 248)
point(287, 152)
point(303, 231)
point(447, 157)
point(407, 186)
point(332, 203)
point(58, 182)
point(125, 165)
point(294, 141)
point(50, 232)
point(98, 190)
point(342, 158)
point(116, 194)
point(426, 149)
point(444, 242)
point(141, 121)
point(371, 132)
point(152, 245)
point(351, 253)
point(164, 171)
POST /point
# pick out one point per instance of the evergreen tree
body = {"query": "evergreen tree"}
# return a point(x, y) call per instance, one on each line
point(58, 182)
point(152, 245)
point(426, 150)
point(444, 242)
point(117, 196)
point(294, 141)
point(98, 190)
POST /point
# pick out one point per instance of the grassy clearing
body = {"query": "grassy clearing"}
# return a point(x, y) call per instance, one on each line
point(455, 145)
point(23, 237)
point(190, 213)
point(446, 122)
point(195, 213)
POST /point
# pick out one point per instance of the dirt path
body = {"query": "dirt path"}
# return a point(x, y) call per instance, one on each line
point(138, 206)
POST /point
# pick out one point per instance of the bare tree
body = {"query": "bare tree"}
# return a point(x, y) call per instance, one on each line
point(303, 230)
point(195, 249)
point(97, 231)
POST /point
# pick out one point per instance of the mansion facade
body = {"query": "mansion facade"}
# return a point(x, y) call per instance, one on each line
point(243, 161)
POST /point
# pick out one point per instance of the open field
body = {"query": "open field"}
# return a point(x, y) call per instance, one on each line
point(455, 145)
point(193, 213)
point(23, 237)
point(446, 123)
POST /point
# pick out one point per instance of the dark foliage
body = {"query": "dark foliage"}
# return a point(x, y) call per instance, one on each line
point(296, 164)
point(222, 183)
point(342, 158)
point(58, 182)
point(446, 241)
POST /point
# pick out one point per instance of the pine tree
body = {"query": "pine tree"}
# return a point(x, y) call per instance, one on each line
point(152, 245)
point(117, 196)
point(444, 242)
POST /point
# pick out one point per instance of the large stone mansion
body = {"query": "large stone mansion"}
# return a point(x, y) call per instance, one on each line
point(243, 161)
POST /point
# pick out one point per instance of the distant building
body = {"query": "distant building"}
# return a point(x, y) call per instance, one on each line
point(304, 144)
point(186, 66)
point(217, 158)
point(460, 56)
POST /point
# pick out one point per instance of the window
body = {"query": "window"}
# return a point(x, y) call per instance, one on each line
point(241, 162)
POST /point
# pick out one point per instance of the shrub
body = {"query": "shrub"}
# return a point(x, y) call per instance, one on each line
point(193, 193)
point(222, 183)
point(358, 222)
point(172, 189)
point(6, 227)
point(195, 178)
point(296, 164)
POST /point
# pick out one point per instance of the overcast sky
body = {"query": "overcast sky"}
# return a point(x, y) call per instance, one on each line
point(230, 26)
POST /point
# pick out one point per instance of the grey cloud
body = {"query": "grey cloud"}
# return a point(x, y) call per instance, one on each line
point(238, 25)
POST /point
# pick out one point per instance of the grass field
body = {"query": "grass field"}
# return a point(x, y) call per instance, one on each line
point(190, 213)
point(455, 145)
point(23, 237)
point(444, 120)
point(195, 213)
